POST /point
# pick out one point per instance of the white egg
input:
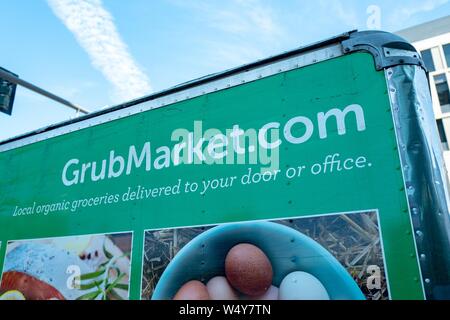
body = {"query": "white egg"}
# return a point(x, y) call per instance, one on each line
point(271, 294)
point(220, 289)
point(302, 286)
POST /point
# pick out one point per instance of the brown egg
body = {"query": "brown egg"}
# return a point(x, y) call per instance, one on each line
point(192, 290)
point(248, 269)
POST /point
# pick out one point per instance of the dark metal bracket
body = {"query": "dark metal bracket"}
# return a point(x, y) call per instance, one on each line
point(387, 49)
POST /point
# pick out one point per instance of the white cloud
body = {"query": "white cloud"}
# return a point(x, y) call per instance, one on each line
point(242, 29)
point(94, 28)
point(405, 12)
point(250, 16)
point(344, 13)
point(228, 55)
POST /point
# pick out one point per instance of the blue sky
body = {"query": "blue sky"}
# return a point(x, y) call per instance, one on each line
point(101, 53)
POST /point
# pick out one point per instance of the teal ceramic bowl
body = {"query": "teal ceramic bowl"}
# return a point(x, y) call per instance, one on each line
point(288, 250)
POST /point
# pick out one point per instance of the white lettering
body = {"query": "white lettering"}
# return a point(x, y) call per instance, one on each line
point(340, 119)
point(75, 173)
point(132, 157)
point(309, 128)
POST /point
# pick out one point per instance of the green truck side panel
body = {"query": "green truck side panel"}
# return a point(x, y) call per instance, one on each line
point(33, 173)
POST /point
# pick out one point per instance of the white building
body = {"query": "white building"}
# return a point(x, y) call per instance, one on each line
point(432, 39)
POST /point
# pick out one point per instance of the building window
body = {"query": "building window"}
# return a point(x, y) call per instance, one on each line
point(447, 53)
point(440, 81)
point(442, 134)
point(428, 60)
